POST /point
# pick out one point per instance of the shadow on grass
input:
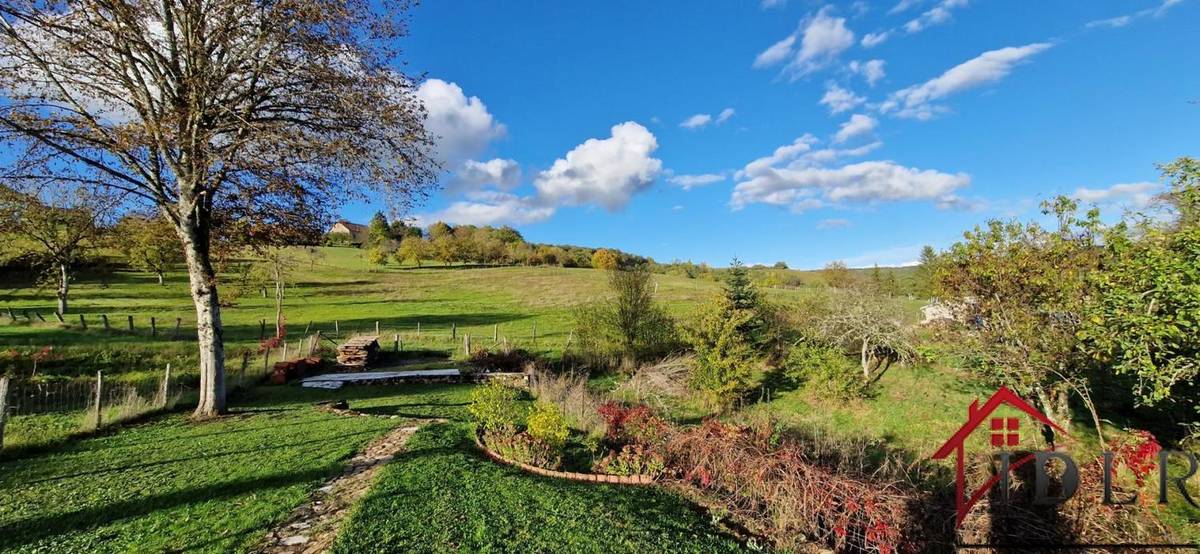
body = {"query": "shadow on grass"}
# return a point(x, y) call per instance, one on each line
point(25, 532)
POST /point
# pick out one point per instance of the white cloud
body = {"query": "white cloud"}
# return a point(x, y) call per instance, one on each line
point(725, 115)
point(833, 223)
point(696, 121)
point(857, 125)
point(839, 99)
point(797, 177)
point(1123, 20)
point(871, 40)
point(768, 4)
point(462, 126)
point(822, 38)
point(1126, 195)
point(491, 208)
point(917, 101)
point(903, 5)
point(688, 182)
point(934, 16)
point(776, 53)
point(473, 175)
point(871, 70)
point(607, 172)
point(896, 256)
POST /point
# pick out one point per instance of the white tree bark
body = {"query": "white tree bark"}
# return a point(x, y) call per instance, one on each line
point(64, 286)
point(209, 332)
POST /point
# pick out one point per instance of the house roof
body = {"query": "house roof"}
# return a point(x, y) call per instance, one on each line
point(977, 414)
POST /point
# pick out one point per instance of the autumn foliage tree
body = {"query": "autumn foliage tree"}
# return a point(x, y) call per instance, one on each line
point(149, 243)
point(227, 116)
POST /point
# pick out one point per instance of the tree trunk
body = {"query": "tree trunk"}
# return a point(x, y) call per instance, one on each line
point(865, 366)
point(1055, 405)
point(160, 279)
point(64, 286)
point(209, 332)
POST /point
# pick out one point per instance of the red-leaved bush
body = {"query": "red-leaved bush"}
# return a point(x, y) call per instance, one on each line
point(780, 493)
point(1139, 453)
point(632, 425)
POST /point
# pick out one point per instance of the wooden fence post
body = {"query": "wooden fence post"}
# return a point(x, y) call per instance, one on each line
point(337, 329)
point(104, 318)
point(82, 322)
point(453, 331)
point(178, 322)
point(283, 358)
point(266, 360)
point(495, 332)
point(165, 388)
point(535, 334)
point(3, 407)
point(467, 344)
point(153, 327)
point(130, 323)
point(262, 330)
point(377, 328)
point(418, 329)
point(245, 363)
point(99, 399)
point(397, 344)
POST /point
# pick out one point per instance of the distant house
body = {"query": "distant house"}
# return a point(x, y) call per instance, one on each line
point(357, 233)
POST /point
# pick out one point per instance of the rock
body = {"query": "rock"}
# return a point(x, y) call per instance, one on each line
point(295, 540)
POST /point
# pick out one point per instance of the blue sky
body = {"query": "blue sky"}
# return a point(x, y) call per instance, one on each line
point(793, 130)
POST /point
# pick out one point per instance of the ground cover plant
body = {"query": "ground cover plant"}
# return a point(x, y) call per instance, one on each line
point(444, 495)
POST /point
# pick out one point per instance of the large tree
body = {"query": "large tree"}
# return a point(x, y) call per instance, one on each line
point(228, 116)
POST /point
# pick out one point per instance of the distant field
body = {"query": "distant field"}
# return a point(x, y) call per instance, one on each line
point(340, 288)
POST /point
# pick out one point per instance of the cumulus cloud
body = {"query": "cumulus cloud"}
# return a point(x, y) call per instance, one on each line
point(606, 172)
point(903, 5)
point(857, 125)
point(696, 121)
point(1127, 195)
point(917, 101)
point(491, 208)
point(833, 223)
point(821, 38)
point(871, 70)
point(461, 125)
point(1123, 20)
point(725, 115)
point(474, 175)
point(768, 4)
point(688, 182)
point(800, 178)
point(839, 99)
point(896, 256)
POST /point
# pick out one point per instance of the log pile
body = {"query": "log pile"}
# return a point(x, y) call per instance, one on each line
point(358, 352)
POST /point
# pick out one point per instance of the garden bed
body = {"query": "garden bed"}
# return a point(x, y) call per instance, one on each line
point(570, 475)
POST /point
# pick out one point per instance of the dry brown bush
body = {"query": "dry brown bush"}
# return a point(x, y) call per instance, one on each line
point(659, 384)
point(570, 392)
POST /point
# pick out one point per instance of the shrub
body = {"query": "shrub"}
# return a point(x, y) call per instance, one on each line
point(570, 392)
point(632, 425)
point(633, 459)
point(725, 355)
point(497, 407)
point(547, 424)
point(513, 360)
point(825, 369)
point(524, 448)
point(629, 327)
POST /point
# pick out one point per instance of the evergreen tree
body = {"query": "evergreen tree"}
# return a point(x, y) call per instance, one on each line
point(378, 231)
point(738, 289)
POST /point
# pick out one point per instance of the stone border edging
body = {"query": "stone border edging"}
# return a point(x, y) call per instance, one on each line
point(568, 475)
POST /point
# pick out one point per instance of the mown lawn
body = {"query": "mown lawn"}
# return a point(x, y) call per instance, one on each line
point(169, 485)
point(442, 495)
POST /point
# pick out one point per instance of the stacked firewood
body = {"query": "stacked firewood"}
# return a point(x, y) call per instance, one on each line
point(358, 352)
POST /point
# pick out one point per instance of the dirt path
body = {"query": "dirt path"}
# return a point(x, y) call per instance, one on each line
point(312, 527)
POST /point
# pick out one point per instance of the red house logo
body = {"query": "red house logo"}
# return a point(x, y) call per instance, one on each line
point(1005, 432)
